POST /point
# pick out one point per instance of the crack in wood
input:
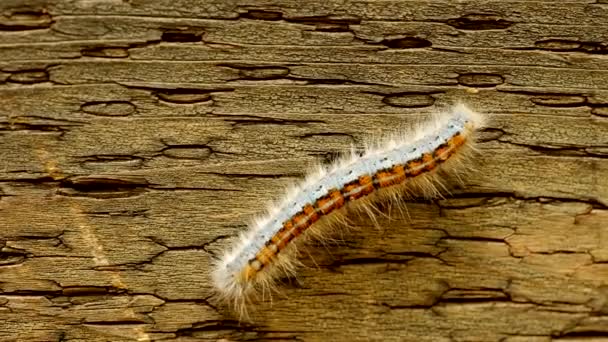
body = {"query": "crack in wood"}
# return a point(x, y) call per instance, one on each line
point(12, 256)
point(249, 120)
point(28, 77)
point(563, 45)
point(258, 72)
point(481, 80)
point(326, 23)
point(406, 43)
point(109, 108)
point(262, 15)
point(103, 186)
point(110, 160)
point(407, 99)
point(26, 21)
point(183, 95)
point(397, 258)
point(479, 22)
point(105, 52)
point(563, 100)
point(183, 36)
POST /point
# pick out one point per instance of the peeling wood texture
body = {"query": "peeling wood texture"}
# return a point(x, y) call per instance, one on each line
point(138, 137)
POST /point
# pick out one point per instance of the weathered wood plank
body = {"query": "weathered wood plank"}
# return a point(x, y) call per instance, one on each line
point(138, 138)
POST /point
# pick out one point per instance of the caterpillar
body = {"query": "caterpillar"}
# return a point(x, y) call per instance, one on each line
point(410, 163)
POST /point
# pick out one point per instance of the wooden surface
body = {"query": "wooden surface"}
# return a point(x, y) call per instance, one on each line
point(137, 137)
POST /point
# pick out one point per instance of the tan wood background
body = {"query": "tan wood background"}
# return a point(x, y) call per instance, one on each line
point(137, 137)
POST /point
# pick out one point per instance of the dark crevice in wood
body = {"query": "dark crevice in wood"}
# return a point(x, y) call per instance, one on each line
point(108, 158)
point(27, 77)
point(118, 160)
point(183, 188)
point(204, 247)
point(471, 238)
point(540, 199)
point(85, 291)
point(262, 15)
point(454, 50)
point(200, 151)
point(103, 187)
point(26, 21)
point(248, 120)
point(109, 108)
point(406, 43)
point(325, 134)
point(178, 90)
point(142, 44)
point(563, 45)
point(8, 127)
point(501, 136)
point(327, 294)
point(565, 151)
point(462, 203)
point(536, 93)
point(324, 19)
point(326, 23)
point(560, 151)
point(557, 100)
point(388, 258)
point(34, 123)
point(479, 22)
point(58, 239)
point(258, 72)
point(481, 80)
point(36, 181)
point(182, 36)
point(233, 329)
point(106, 52)
point(119, 213)
point(366, 261)
point(331, 81)
point(562, 101)
point(31, 293)
point(474, 300)
point(254, 175)
point(91, 183)
point(187, 152)
point(407, 99)
point(184, 95)
point(120, 322)
point(405, 306)
point(412, 255)
point(177, 248)
point(561, 251)
point(591, 335)
point(64, 122)
point(473, 295)
point(600, 111)
point(12, 256)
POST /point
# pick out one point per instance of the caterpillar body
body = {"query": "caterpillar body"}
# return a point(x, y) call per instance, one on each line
point(410, 163)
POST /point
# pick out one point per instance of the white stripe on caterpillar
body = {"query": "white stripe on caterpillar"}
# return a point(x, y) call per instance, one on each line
point(410, 163)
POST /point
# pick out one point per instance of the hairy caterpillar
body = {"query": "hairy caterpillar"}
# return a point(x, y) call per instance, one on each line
point(410, 163)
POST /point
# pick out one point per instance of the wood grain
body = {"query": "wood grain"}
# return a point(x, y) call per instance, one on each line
point(138, 137)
